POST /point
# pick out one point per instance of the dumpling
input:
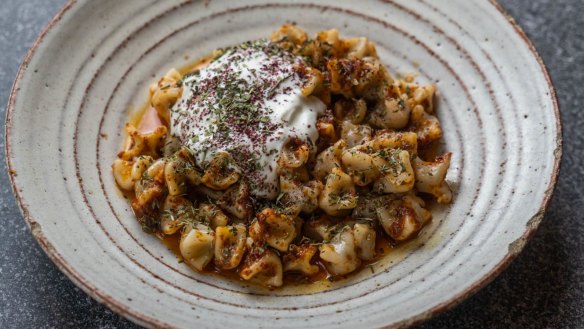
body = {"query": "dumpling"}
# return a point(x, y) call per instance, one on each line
point(364, 236)
point(229, 246)
point(403, 218)
point(430, 177)
point(340, 255)
point(339, 194)
point(397, 174)
point(220, 174)
point(262, 266)
point(197, 246)
point(298, 259)
point(276, 229)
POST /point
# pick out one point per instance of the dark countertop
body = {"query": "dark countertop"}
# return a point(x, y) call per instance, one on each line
point(542, 288)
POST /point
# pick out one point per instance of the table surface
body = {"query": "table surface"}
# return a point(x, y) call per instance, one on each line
point(542, 288)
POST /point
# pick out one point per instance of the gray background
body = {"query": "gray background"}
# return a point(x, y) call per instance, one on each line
point(542, 288)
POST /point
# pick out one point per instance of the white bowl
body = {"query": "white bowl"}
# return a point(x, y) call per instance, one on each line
point(94, 61)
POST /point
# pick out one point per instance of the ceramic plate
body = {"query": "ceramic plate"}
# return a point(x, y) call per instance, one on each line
point(92, 66)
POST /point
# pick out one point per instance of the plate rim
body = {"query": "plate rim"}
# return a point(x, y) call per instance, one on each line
point(120, 308)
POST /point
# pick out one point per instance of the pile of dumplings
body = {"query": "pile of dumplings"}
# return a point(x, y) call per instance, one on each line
point(364, 178)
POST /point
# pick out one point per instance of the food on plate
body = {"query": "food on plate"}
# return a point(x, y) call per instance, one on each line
point(285, 159)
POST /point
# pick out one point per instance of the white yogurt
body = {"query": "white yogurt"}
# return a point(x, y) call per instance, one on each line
point(248, 103)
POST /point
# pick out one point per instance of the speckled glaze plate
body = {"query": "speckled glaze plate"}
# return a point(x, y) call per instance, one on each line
point(93, 64)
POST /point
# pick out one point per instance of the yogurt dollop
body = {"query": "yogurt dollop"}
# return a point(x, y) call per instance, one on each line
point(248, 103)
